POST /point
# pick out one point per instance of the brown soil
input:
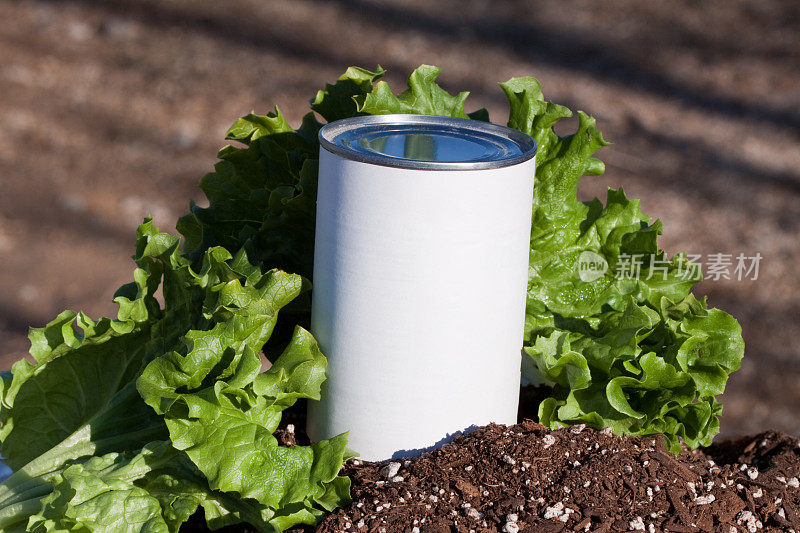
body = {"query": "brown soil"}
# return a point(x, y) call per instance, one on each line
point(528, 478)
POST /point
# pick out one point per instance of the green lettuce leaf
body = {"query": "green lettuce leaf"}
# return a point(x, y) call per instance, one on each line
point(95, 429)
point(628, 371)
point(262, 197)
point(156, 489)
point(224, 421)
point(346, 97)
point(637, 353)
point(423, 97)
point(98, 496)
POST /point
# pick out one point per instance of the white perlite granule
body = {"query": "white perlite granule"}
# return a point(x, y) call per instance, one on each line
point(704, 500)
point(746, 518)
point(474, 513)
point(637, 524)
point(511, 527)
point(554, 511)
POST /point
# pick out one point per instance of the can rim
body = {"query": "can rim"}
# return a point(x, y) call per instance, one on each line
point(331, 131)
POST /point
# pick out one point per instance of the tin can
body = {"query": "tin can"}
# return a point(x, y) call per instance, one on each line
point(420, 278)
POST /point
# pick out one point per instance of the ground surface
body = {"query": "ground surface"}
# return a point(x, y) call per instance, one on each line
point(112, 110)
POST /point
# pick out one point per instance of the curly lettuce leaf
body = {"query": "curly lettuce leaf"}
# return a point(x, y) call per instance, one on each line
point(346, 97)
point(156, 489)
point(629, 371)
point(222, 457)
point(96, 496)
point(423, 97)
point(262, 197)
point(224, 422)
point(617, 350)
point(83, 438)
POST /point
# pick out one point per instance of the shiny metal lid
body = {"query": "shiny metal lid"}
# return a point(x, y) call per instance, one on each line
point(427, 142)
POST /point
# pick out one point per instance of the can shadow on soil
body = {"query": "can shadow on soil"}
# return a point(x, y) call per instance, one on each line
point(416, 452)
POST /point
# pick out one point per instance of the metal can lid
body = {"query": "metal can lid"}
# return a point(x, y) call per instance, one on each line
point(427, 142)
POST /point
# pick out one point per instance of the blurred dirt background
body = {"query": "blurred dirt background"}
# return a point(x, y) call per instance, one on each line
point(111, 110)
